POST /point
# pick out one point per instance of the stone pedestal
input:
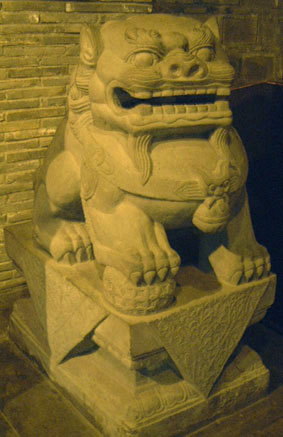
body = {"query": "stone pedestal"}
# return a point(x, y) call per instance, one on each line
point(150, 375)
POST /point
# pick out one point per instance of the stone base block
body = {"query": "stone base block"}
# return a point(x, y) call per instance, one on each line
point(163, 404)
point(159, 374)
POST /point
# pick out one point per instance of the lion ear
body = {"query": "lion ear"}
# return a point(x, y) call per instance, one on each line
point(88, 46)
point(213, 25)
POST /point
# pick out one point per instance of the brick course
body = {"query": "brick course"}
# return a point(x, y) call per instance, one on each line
point(39, 46)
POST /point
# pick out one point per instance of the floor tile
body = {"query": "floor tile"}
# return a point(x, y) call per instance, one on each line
point(269, 345)
point(4, 320)
point(42, 412)
point(249, 421)
point(273, 430)
point(5, 429)
point(17, 374)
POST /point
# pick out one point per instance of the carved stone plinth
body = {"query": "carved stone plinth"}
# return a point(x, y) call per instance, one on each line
point(158, 374)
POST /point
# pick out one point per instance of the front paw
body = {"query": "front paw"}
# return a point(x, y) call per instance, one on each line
point(71, 244)
point(236, 269)
point(147, 258)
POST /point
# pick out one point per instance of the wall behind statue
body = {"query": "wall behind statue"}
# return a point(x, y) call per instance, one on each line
point(38, 49)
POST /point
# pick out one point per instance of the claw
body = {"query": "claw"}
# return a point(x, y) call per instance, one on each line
point(236, 277)
point(81, 255)
point(259, 271)
point(174, 270)
point(268, 264)
point(149, 277)
point(248, 268)
point(259, 267)
point(162, 273)
point(69, 258)
point(136, 277)
point(89, 252)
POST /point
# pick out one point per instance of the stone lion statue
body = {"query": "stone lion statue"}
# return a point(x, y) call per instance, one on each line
point(148, 145)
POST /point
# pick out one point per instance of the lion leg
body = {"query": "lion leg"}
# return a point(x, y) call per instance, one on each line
point(234, 254)
point(58, 219)
point(124, 237)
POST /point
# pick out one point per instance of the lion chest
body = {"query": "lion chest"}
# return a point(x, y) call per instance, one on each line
point(188, 169)
point(192, 169)
point(181, 160)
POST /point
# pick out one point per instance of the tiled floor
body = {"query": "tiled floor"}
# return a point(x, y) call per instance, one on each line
point(30, 405)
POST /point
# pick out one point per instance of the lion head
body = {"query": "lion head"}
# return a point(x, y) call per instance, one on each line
point(152, 75)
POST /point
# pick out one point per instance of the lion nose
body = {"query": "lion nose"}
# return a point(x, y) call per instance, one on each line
point(186, 68)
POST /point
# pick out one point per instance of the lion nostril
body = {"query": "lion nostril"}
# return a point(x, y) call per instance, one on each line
point(185, 67)
point(174, 68)
point(194, 69)
point(191, 71)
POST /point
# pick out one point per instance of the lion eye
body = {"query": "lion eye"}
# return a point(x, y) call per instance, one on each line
point(144, 59)
point(205, 54)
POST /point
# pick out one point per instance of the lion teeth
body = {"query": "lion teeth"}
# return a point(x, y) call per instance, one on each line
point(157, 94)
point(180, 109)
point(223, 91)
point(190, 92)
point(217, 109)
point(191, 108)
point(167, 93)
point(143, 95)
point(178, 92)
point(146, 94)
point(157, 110)
point(145, 109)
point(202, 108)
point(222, 105)
point(168, 109)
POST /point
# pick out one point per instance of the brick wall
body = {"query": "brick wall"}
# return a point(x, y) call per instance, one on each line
point(251, 31)
point(38, 49)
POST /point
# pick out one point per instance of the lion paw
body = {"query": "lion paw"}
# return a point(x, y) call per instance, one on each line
point(236, 269)
point(146, 260)
point(71, 244)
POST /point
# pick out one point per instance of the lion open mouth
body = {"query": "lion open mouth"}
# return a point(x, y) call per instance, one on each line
point(173, 101)
point(172, 108)
point(127, 101)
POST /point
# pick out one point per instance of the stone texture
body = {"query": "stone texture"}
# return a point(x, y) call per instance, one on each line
point(240, 30)
point(27, 413)
point(34, 33)
point(270, 346)
point(4, 320)
point(208, 344)
point(16, 374)
point(124, 7)
point(19, 45)
point(138, 350)
point(258, 68)
point(31, 6)
point(252, 420)
point(38, 71)
point(141, 405)
point(63, 327)
point(5, 429)
point(142, 178)
point(259, 3)
point(267, 38)
point(222, 2)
